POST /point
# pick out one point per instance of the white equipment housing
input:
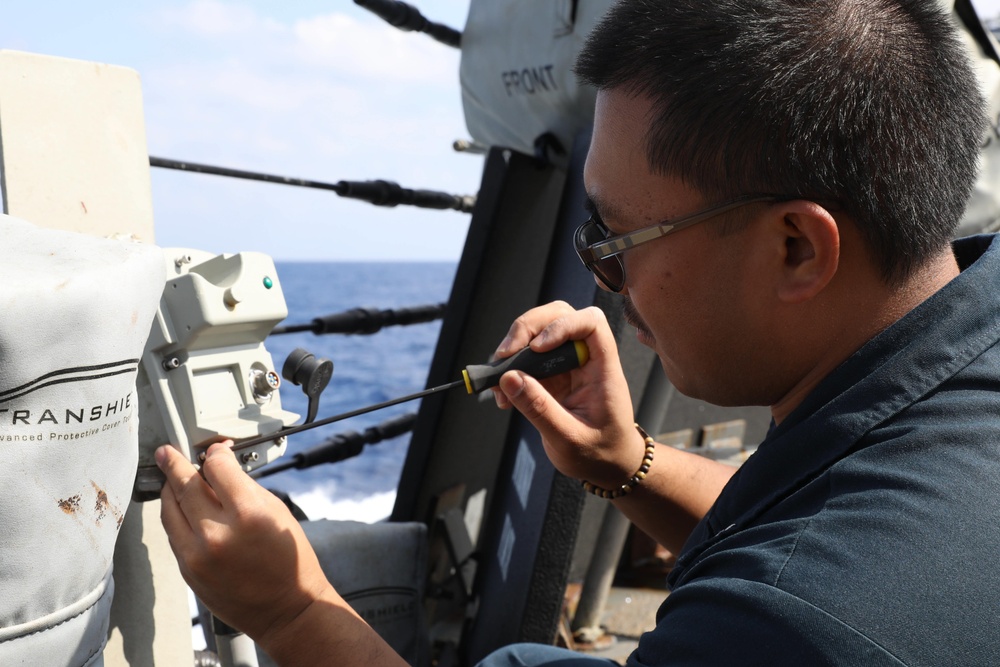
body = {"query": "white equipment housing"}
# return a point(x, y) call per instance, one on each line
point(205, 374)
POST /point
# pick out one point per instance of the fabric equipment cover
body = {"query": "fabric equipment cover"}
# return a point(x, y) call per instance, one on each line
point(517, 71)
point(76, 313)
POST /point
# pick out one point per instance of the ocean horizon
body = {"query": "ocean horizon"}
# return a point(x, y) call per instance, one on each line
point(368, 369)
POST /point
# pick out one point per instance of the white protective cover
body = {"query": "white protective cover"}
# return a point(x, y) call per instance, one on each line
point(75, 311)
point(517, 71)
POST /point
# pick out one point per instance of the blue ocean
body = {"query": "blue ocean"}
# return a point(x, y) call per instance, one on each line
point(368, 369)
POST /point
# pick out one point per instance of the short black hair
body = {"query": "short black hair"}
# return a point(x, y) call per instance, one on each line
point(870, 106)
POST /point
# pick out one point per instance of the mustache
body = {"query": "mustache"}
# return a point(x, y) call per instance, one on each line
point(632, 316)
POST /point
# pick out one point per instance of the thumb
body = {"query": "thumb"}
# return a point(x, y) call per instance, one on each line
point(224, 474)
point(532, 400)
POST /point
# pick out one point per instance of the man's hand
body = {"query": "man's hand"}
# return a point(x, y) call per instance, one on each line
point(238, 546)
point(584, 416)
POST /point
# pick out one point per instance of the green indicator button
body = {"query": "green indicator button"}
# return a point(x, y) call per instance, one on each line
point(268, 283)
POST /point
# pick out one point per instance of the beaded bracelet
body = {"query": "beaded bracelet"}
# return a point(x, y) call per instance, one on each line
point(634, 480)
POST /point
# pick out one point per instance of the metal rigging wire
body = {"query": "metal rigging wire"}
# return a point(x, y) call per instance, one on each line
point(380, 193)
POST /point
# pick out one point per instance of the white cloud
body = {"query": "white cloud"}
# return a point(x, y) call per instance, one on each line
point(368, 52)
point(239, 84)
point(364, 50)
point(330, 77)
point(211, 18)
point(326, 97)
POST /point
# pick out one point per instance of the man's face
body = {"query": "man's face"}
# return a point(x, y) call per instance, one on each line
point(691, 292)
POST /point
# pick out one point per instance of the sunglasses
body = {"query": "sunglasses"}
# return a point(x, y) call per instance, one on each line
point(601, 253)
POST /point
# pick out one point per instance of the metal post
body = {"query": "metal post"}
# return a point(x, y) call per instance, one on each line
point(614, 528)
point(586, 625)
point(235, 648)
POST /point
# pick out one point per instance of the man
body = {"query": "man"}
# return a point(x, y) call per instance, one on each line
point(807, 163)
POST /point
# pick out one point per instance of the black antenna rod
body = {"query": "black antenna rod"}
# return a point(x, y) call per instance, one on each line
point(366, 320)
point(342, 446)
point(407, 17)
point(380, 193)
point(180, 165)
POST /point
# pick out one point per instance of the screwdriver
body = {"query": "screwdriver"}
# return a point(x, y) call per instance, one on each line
point(571, 354)
point(475, 378)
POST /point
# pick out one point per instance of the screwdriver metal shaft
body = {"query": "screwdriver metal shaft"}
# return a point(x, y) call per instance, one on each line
point(475, 378)
point(291, 430)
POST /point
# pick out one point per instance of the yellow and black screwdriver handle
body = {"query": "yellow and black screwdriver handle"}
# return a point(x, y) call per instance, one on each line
point(571, 354)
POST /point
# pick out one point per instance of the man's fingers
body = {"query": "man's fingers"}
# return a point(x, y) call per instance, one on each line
point(224, 473)
point(181, 475)
point(189, 490)
point(534, 402)
point(500, 398)
point(547, 327)
point(173, 519)
point(178, 470)
point(525, 328)
point(588, 324)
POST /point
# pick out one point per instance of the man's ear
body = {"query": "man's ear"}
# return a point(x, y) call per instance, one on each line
point(811, 249)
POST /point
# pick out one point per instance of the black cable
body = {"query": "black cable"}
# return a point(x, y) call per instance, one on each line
point(166, 163)
point(342, 446)
point(387, 193)
point(475, 378)
point(366, 320)
point(292, 430)
point(379, 192)
point(407, 17)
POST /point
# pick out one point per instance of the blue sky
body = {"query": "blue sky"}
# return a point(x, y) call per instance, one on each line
point(318, 89)
point(315, 89)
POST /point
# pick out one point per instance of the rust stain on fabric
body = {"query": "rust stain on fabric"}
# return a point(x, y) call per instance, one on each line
point(70, 505)
point(103, 506)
